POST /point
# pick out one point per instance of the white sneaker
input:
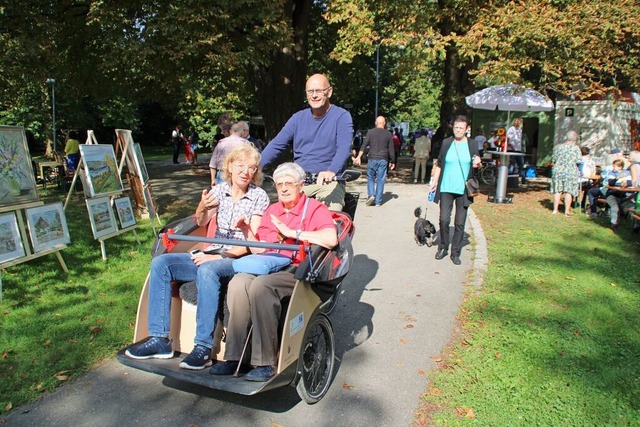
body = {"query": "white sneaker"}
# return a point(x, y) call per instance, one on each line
point(370, 201)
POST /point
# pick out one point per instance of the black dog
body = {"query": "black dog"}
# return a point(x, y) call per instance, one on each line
point(423, 229)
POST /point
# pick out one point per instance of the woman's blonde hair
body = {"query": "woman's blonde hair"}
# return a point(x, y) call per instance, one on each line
point(243, 151)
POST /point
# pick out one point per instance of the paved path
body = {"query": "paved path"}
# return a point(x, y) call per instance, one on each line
point(396, 313)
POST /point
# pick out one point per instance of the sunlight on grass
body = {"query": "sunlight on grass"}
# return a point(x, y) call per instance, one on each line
point(553, 337)
point(55, 325)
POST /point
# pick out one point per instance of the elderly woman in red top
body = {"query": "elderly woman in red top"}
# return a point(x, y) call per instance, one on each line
point(256, 299)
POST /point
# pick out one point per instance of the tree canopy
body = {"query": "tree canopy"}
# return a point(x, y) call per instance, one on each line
point(147, 65)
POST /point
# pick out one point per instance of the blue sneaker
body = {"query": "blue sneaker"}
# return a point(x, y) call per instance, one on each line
point(152, 348)
point(260, 374)
point(199, 358)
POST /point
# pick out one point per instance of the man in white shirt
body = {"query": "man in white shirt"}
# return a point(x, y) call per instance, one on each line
point(514, 142)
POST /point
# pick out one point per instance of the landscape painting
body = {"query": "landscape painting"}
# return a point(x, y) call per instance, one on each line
point(10, 242)
point(101, 217)
point(125, 212)
point(17, 182)
point(101, 169)
point(47, 226)
point(140, 165)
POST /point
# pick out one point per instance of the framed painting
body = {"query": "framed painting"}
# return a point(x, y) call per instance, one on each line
point(10, 241)
point(47, 226)
point(140, 165)
point(103, 221)
point(17, 181)
point(101, 169)
point(125, 212)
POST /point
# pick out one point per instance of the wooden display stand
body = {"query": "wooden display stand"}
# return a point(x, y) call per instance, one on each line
point(29, 253)
point(136, 175)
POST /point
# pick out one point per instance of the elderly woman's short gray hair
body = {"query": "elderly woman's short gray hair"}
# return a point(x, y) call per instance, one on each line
point(634, 156)
point(289, 169)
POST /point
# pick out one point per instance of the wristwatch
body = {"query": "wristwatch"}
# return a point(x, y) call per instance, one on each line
point(298, 232)
point(223, 255)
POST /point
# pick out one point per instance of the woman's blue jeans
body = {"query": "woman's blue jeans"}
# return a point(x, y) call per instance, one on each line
point(180, 267)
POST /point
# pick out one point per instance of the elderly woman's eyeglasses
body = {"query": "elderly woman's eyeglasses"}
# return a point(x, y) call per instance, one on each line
point(311, 92)
point(245, 168)
point(286, 184)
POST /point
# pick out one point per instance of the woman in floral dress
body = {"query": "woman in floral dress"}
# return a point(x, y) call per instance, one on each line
point(565, 177)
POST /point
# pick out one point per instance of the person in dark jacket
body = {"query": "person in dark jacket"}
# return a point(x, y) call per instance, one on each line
point(456, 162)
point(381, 156)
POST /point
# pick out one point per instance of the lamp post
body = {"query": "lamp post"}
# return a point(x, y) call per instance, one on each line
point(377, 78)
point(53, 102)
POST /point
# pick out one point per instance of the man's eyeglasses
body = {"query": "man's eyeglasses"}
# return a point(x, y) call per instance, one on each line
point(287, 184)
point(311, 92)
point(242, 168)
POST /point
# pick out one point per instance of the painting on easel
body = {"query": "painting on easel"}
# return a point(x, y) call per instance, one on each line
point(140, 165)
point(17, 182)
point(47, 226)
point(103, 221)
point(101, 169)
point(10, 242)
point(125, 212)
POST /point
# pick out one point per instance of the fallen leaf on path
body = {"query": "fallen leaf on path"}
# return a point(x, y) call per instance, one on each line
point(403, 341)
point(8, 407)
point(409, 326)
point(347, 386)
point(421, 372)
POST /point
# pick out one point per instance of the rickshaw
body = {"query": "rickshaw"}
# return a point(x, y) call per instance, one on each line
point(307, 342)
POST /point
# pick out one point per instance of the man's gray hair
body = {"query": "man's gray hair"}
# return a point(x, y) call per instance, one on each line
point(237, 128)
point(243, 125)
point(289, 169)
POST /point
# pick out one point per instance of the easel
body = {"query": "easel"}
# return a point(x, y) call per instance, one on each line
point(140, 188)
point(29, 254)
point(101, 239)
point(91, 139)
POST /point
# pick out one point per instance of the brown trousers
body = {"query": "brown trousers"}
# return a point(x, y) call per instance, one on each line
point(256, 300)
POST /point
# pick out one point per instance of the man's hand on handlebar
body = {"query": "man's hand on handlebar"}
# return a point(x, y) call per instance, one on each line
point(325, 177)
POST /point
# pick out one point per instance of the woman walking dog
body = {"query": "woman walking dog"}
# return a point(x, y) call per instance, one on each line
point(456, 160)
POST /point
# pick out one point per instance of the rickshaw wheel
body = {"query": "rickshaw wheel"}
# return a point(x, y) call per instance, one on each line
point(316, 361)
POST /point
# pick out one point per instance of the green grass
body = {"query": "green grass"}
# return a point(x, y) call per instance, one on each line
point(55, 326)
point(552, 337)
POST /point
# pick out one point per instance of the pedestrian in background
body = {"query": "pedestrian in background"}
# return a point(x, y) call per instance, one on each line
point(422, 148)
point(381, 157)
point(565, 175)
point(177, 139)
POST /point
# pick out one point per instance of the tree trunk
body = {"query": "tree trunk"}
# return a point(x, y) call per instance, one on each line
point(457, 85)
point(280, 86)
